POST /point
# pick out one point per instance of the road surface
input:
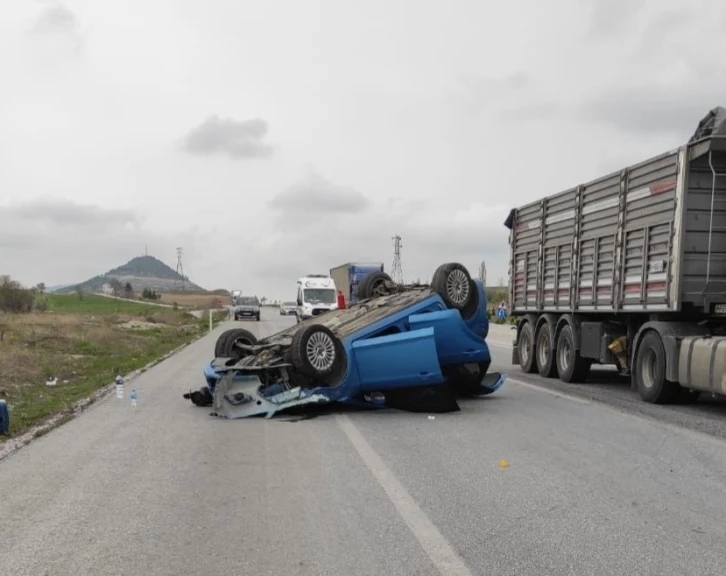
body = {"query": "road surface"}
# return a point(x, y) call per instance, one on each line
point(165, 489)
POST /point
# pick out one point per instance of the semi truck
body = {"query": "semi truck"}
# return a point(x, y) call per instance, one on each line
point(629, 270)
point(348, 276)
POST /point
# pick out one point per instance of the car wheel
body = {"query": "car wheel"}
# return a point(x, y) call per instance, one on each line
point(650, 372)
point(571, 367)
point(220, 343)
point(453, 283)
point(375, 285)
point(316, 352)
point(258, 318)
point(235, 337)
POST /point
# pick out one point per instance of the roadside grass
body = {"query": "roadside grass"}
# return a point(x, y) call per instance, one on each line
point(83, 342)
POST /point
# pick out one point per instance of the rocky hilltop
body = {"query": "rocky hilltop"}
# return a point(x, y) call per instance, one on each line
point(141, 272)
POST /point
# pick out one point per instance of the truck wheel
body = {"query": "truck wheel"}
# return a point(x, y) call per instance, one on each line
point(650, 369)
point(219, 344)
point(316, 352)
point(374, 285)
point(237, 336)
point(545, 353)
point(454, 284)
point(571, 367)
point(525, 346)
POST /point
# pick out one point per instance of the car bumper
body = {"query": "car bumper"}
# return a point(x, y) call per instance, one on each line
point(246, 313)
point(241, 396)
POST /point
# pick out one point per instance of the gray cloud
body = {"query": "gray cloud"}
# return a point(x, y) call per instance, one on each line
point(60, 241)
point(653, 108)
point(611, 19)
point(434, 231)
point(516, 97)
point(236, 139)
point(57, 19)
point(59, 212)
point(317, 195)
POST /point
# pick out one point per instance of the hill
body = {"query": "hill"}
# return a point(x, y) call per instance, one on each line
point(141, 272)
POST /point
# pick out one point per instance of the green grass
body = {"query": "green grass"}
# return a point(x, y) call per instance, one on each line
point(94, 304)
point(84, 343)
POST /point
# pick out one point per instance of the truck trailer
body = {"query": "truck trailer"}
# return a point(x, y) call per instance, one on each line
point(348, 276)
point(629, 270)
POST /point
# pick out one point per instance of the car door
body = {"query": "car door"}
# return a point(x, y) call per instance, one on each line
point(397, 360)
point(455, 343)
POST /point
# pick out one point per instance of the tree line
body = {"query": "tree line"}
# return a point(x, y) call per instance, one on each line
point(16, 299)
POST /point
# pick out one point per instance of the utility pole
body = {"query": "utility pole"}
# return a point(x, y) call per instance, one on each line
point(396, 270)
point(179, 269)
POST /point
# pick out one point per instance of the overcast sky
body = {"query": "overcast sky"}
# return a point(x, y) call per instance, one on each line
point(273, 139)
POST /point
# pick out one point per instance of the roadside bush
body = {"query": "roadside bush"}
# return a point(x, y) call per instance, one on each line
point(14, 298)
point(41, 303)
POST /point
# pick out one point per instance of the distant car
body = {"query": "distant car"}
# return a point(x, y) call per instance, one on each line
point(287, 308)
point(412, 347)
point(246, 307)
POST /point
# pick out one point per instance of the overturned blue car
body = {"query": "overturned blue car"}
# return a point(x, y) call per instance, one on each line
point(410, 347)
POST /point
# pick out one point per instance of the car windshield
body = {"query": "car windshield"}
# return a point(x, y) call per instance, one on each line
point(246, 301)
point(288, 304)
point(319, 295)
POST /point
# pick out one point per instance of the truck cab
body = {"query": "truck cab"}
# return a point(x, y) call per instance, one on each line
point(316, 294)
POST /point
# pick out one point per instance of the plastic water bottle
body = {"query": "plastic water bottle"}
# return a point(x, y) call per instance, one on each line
point(119, 387)
point(132, 397)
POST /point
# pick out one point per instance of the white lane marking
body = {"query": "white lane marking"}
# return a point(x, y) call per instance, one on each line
point(443, 556)
point(547, 391)
point(534, 386)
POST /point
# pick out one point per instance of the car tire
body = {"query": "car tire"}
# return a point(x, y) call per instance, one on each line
point(258, 318)
point(571, 367)
point(373, 286)
point(237, 335)
point(454, 284)
point(318, 353)
point(220, 343)
point(650, 372)
point(544, 353)
point(525, 345)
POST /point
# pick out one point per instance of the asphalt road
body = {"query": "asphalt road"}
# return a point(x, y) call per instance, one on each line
point(708, 415)
point(167, 489)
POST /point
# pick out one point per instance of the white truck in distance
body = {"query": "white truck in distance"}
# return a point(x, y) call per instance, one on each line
point(316, 294)
point(629, 270)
